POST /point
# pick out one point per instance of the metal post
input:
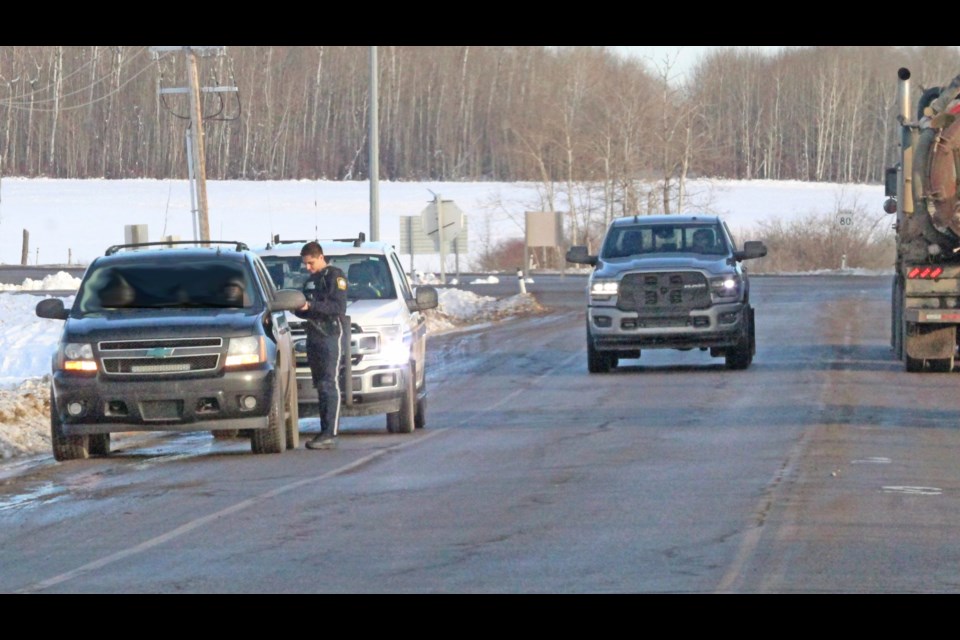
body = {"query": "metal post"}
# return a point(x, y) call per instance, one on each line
point(193, 183)
point(374, 150)
point(443, 249)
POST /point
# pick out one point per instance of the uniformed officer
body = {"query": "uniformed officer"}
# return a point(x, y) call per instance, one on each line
point(325, 311)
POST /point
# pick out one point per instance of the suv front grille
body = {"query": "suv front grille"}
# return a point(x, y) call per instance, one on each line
point(663, 292)
point(160, 357)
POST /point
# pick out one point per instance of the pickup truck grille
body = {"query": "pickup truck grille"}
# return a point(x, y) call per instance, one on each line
point(663, 292)
point(298, 331)
point(160, 357)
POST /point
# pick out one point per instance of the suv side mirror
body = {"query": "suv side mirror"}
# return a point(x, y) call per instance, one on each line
point(578, 254)
point(426, 298)
point(287, 300)
point(751, 249)
point(52, 308)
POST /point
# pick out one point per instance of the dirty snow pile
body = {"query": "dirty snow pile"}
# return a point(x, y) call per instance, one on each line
point(458, 308)
point(25, 419)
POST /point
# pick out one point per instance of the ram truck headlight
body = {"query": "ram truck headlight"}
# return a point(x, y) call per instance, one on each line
point(726, 287)
point(245, 351)
point(78, 357)
point(603, 288)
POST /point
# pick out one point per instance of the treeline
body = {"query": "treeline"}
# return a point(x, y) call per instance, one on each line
point(557, 116)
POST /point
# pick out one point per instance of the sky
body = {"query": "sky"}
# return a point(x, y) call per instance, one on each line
point(80, 218)
point(679, 59)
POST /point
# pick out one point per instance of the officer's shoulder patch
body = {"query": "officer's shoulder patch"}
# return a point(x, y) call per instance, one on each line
point(341, 283)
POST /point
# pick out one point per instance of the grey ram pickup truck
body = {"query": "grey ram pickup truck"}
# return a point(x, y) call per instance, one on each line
point(668, 282)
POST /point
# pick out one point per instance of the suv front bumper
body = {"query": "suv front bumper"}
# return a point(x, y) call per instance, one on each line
point(719, 326)
point(96, 404)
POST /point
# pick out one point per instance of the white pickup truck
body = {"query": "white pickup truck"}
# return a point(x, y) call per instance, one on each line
point(386, 371)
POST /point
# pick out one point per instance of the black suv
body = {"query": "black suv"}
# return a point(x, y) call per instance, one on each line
point(164, 338)
point(669, 282)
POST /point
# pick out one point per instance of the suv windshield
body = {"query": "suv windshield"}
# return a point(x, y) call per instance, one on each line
point(624, 241)
point(155, 284)
point(368, 276)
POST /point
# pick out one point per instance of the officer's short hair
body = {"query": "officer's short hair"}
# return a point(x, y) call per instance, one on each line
point(312, 249)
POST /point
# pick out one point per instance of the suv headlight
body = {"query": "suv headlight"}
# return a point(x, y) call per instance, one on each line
point(728, 286)
point(78, 357)
point(603, 288)
point(245, 351)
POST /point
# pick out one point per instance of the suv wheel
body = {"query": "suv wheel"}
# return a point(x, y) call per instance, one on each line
point(292, 422)
point(98, 444)
point(272, 439)
point(404, 420)
point(65, 447)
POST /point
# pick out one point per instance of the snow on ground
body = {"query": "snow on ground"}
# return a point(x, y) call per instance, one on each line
point(28, 342)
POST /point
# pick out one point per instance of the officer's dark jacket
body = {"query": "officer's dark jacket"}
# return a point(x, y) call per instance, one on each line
point(326, 292)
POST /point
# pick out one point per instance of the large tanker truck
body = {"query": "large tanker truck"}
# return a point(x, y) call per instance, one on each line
point(922, 190)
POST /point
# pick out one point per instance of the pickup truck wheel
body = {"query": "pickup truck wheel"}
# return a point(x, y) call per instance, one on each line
point(98, 444)
point(420, 412)
point(741, 355)
point(273, 439)
point(597, 361)
point(404, 420)
point(420, 415)
point(292, 422)
point(65, 447)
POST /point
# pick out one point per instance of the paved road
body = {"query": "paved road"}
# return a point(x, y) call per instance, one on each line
point(824, 467)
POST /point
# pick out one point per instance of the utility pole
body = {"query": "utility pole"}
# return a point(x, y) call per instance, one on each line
point(199, 149)
point(196, 147)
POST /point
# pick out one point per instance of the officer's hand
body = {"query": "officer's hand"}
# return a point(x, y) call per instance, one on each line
point(305, 307)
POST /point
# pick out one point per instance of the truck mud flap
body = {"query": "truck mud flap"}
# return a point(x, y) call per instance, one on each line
point(930, 341)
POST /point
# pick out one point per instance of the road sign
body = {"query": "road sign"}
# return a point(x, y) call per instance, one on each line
point(415, 241)
point(442, 210)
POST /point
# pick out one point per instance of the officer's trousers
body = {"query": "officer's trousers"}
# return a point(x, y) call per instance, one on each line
point(323, 356)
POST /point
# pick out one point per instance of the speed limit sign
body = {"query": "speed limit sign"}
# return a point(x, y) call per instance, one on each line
point(845, 219)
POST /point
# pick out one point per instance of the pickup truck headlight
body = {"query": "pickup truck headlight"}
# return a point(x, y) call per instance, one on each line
point(603, 288)
point(245, 351)
point(726, 286)
point(394, 343)
point(78, 357)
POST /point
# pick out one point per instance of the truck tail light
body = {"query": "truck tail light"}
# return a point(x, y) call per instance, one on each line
point(924, 273)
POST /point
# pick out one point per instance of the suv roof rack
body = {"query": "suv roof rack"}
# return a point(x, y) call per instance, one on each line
point(240, 246)
point(359, 240)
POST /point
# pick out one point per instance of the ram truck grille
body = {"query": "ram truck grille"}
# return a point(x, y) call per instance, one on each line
point(663, 292)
